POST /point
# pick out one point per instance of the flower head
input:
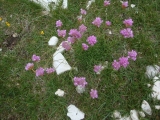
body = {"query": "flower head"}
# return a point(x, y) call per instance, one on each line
point(58, 23)
point(97, 22)
point(83, 12)
point(125, 4)
point(40, 72)
point(66, 45)
point(61, 33)
point(92, 40)
point(98, 68)
point(75, 33)
point(71, 39)
point(82, 29)
point(29, 66)
point(128, 22)
point(127, 33)
point(80, 81)
point(85, 46)
point(35, 58)
point(50, 70)
point(106, 2)
point(124, 61)
point(94, 93)
point(8, 24)
point(108, 23)
point(0, 19)
point(132, 54)
point(42, 32)
point(116, 65)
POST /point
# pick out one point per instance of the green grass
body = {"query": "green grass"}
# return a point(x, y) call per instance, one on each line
point(24, 96)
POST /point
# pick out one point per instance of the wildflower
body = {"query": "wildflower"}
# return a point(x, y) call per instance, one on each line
point(98, 68)
point(108, 23)
point(128, 22)
point(50, 70)
point(83, 12)
point(42, 32)
point(35, 58)
point(66, 45)
point(106, 2)
point(60, 93)
point(0, 19)
point(40, 72)
point(94, 93)
point(61, 33)
point(125, 4)
point(97, 22)
point(132, 54)
point(58, 23)
point(75, 33)
point(80, 81)
point(116, 65)
point(71, 39)
point(8, 24)
point(29, 66)
point(85, 46)
point(124, 61)
point(82, 29)
point(91, 40)
point(133, 5)
point(127, 33)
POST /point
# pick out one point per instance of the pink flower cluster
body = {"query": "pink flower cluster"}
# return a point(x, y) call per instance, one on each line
point(128, 22)
point(98, 68)
point(83, 12)
point(127, 33)
point(125, 4)
point(66, 45)
point(94, 93)
point(58, 23)
point(61, 33)
point(123, 61)
point(97, 22)
point(108, 23)
point(36, 58)
point(106, 2)
point(75, 33)
point(85, 46)
point(92, 40)
point(80, 81)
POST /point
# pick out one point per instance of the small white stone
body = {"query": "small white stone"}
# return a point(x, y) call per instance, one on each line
point(116, 114)
point(89, 3)
point(125, 118)
point(134, 115)
point(80, 89)
point(152, 71)
point(146, 107)
point(65, 4)
point(59, 92)
point(141, 113)
point(156, 90)
point(53, 41)
point(149, 85)
point(157, 107)
point(133, 5)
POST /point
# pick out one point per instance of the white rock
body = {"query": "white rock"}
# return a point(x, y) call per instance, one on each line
point(60, 64)
point(125, 118)
point(80, 89)
point(116, 114)
point(156, 90)
point(152, 71)
point(74, 113)
point(60, 49)
point(53, 41)
point(89, 3)
point(59, 92)
point(134, 115)
point(141, 113)
point(157, 107)
point(146, 107)
point(65, 4)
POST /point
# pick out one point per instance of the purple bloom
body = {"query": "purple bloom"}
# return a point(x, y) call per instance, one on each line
point(75, 33)
point(125, 4)
point(58, 23)
point(94, 93)
point(80, 81)
point(124, 61)
point(35, 58)
point(83, 12)
point(116, 65)
point(85, 46)
point(98, 69)
point(71, 39)
point(61, 33)
point(29, 66)
point(128, 22)
point(108, 23)
point(82, 28)
point(132, 54)
point(127, 33)
point(50, 70)
point(91, 40)
point(97, 22)
point(40, 72)
point(66, 45)
point(106, 2)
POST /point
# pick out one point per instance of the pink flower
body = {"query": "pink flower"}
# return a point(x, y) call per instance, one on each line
point(35, 58)
point(125, 4)
point(124, 61)
point(82, 28)
point(58, 23)
point(66, 45)
point(40, 72)
point(128, 22)
point(116, 65)
point(83, 12)
point(132, 54)
point(127, 33)
point(71, 39)
point(75, 33)
point(108, 23)
point(91, 40)
point(85, 46)
point(106, 2)
point(29, 66)
point(80, 81)
point(94, 93)
point(98, 69)
point(50, 70)
point(97, 22)
point(61, 33)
